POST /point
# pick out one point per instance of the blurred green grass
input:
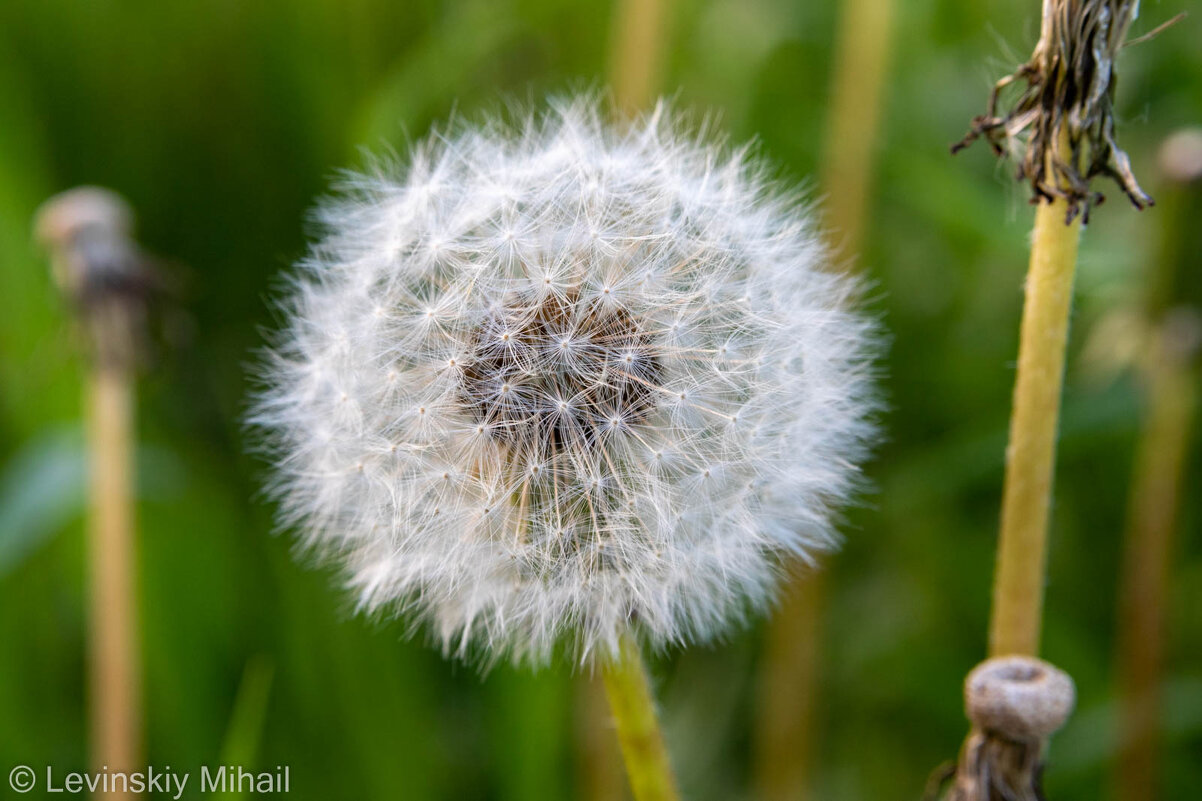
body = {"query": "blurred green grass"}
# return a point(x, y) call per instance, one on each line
point(222, 121)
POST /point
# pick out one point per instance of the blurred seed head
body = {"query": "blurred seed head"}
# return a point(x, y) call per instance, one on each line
point(1180, 156)
point(63, 219)
point(97, 265)
point(65, 215)
point(555, 380)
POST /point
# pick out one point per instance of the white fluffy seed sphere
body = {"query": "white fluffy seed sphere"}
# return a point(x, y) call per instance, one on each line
point(557, 380)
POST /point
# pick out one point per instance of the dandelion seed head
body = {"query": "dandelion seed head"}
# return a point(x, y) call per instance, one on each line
point(558, 380)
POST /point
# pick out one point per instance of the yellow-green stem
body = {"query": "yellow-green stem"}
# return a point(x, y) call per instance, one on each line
point(115, 666)
point(1030, 455)
point(633, 708)
point(638, 48)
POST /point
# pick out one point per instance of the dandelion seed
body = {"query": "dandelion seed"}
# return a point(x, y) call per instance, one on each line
point(655, 387)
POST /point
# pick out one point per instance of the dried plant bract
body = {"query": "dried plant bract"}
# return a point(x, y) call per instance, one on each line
point(1014, 703)
point(1060, 127)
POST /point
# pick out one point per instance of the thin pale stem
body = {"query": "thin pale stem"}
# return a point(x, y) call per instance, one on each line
point(1169, 371)
point(789, 675)
point(639, 32)
point(1030, 455)
point(639, 735)
point(599, 775)
point(1172, 398)
point(784, 748)
point(115, 664)
point(853, 126)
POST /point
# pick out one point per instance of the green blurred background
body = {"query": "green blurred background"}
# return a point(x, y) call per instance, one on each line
point(223, 120)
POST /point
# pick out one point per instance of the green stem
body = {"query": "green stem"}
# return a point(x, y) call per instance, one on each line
point(633, 709)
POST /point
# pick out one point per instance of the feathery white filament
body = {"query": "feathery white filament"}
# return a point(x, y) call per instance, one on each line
point(553, 382)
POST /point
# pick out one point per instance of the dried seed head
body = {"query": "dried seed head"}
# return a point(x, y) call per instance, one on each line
point(1062, 123)
point(1180, 156)
point(1015, 703)
point(101, 270)
point(1018, 697)
point(64, 216)
point(554, 382)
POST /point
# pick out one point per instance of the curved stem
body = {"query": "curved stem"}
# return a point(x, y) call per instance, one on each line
point(1030, 455)
point(633, 709)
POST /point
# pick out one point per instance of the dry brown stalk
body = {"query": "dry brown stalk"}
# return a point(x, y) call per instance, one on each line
point(105, 277)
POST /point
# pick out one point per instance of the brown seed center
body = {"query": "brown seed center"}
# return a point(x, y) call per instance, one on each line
point(560, 372)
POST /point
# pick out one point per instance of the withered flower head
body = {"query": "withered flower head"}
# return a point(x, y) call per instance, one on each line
point(1060, 127)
